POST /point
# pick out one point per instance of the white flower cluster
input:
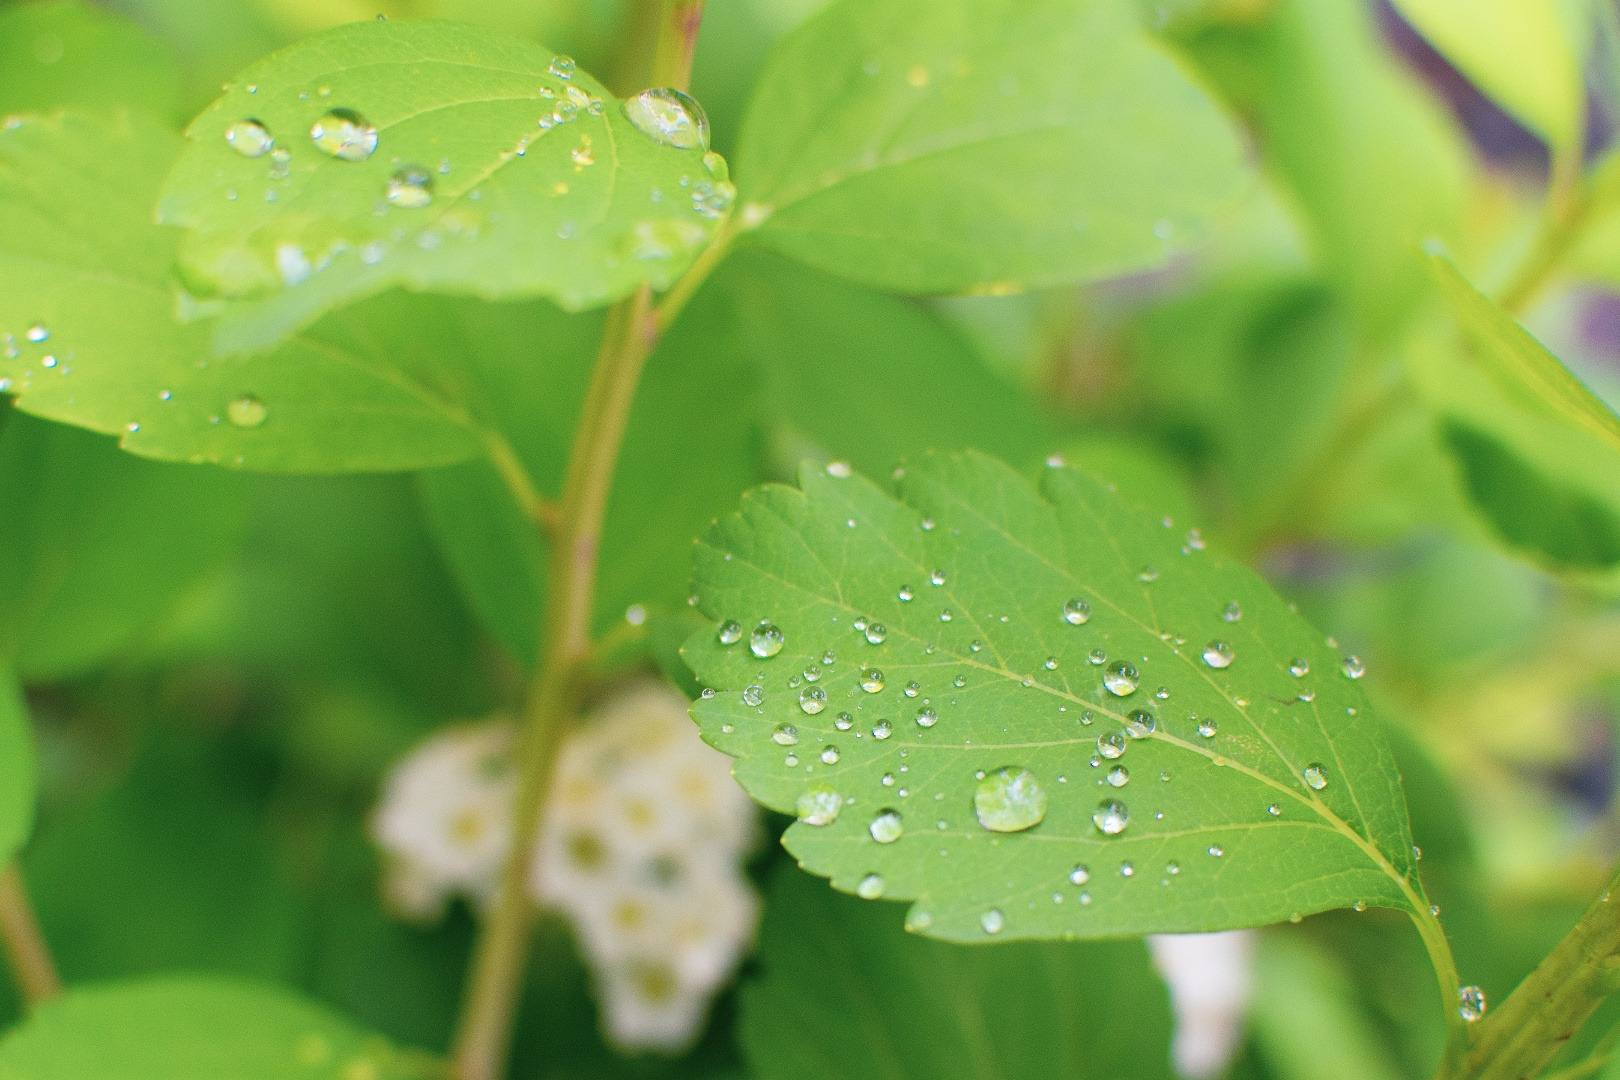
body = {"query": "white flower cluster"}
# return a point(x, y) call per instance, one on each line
point(1210, 977)
point(641, 847)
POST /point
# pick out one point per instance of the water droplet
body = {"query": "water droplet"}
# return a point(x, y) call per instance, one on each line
point(1315, 776)
point(1140, 724)
point(344, 134)
point(411, 186)
point(1111, 745)
point(945, 615)
point(1079, 875)
point(1050, 664)
point(1195, 540)
point(1126, 869)
point(1307, 695)
point(812, 673)
point(812, 699)
point(1118, 776)
point(753, 695)
point(766, 640)
point(1111, 817)
point(975, 645)
point(819, 804)
point(992, 921)
point(882, 730)
point(1353, 667)
point(562, 66)
point(912, 688)
point(927, 717)
point(871, 680)
point(870, 888)
point(1207, 728)
point(785, 735)
point(906, 594)
point(1076, 611)
point(669, 117)
point(1417, 853)
point(246, 412)
point(37, 333)
point(959, 682)
point(1233, 612)
point(886, 827)
point(1162, 693)
point(1470, 1003)
point(1009, 800)
point(843, 721)
point(1274, 810)
point(1299, 668)
point(1216, 850)
point(937, 577)
point(250, 138)
point(1121, 679)
point(926, 524)
point(1218, 654)
point(829, 756)
point(875, 633)
point(1148, 574)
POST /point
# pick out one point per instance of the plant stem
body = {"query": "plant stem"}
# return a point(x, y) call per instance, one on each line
point(1568, 207)
point(1550, 1005)
point(1445, 972)
point(25, 947)
point(677, 41)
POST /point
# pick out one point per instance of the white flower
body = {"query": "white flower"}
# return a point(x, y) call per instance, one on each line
point(445, 820)
point(1210, 977)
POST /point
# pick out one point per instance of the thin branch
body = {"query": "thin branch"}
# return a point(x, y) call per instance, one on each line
point(543, 512)
point(25, 948)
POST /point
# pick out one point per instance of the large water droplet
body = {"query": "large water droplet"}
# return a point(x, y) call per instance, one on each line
point(1111, 817)
point(785, 735)
point(1218, 654)
point(1009, 800)
point(1119, 776)
point(562, 66)
point(1121, 679)
point(812, 699)
point(819, 804)
point(1315, 776)
point(871, 680)
point(886, 827)
point(1470, 1003)
point(344, 134)
point(992, 921)
point(667, 116)
point(246, 412)
point(250, 138)
point(1111, 745)
point(1076, 611)
point(766, 640)
point(870, 887)
point(411, 186)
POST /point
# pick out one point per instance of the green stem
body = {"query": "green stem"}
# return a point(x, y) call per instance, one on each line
point(1568, 209)
point(25, 947)
point(1445, 972)
point(1520, 1037)
point(678, 24)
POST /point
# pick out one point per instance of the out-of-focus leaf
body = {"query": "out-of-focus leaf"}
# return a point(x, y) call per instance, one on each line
point(69, 55)
point(845, 994)
point(193, 1028)
point(1142, 473)
point(504, 201)
point(1525, 54)
point(931, 146)
point(16, 769)
point(1375, 163)
point(1021, 635)
point(95, 545)
point(1306, 1019)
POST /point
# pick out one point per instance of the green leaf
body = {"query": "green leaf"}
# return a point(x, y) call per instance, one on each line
point(389, 384)
point(933, 146)
point(844, 994)
point(581, 212)
point(193, 1028)
point(69, 55)
point(1306, 1019)
point(814, 562)
point(1524, 54)
point(96, 545)
point(16, 769)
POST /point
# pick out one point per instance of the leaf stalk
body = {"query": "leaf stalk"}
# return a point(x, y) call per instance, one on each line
point(25, 947)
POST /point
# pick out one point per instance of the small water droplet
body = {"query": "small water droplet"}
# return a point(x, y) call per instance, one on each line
point(1096, 657)
point(1195, 540)
point(870, 887)
point(926, 524)
point(250, 138)
point(1111, 745)
point(562, 66)
point(1470, 1003)
point(992, 921)
point(1076, 611)
point(959, 682)
point(1148, 574)
point(37, 333)
point(753, 695)
point(1009, 799)
point(411, 186)
point(812, 673)
point(912, 688)
point(1315, 776)
point(1079, 875)
point(246, 412)
point(843, 721)
point(1121, 679)
point(785, 735)
point(1111, 817)
point(1218, 654)
point(1118, 776)
point(871, 680)
point(875, 633)
point(882, 730)
point(937, 577)
point(766, 640)
point(344, 134)
point(812, 699)
point(927, 717)
point(1126, 869)
point(818, 804)
point(829, 756)
point(1050, 664)
point(1299, 668)
point(887, 827)
point(1233, 612)
point(906, 594)
point(1274, 810)
point(1140, 724)
point(670, 118)
point(1353, 667)
point(1307, 695)
point(1216, 850)
point(975, 645)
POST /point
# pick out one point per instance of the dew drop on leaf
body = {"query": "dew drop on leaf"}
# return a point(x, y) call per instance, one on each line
point(670, 118)
point(753, 695)
point(1315, 776)
point(1207, 728)
point(871, 680)
point(1119, 776)
point(843, 721)
point(1008, 800)
point(992, 921)
point(875, 633)
point(411, 186)
point(344, 134)
point(1076, 611)
point(1140, 724)
point(1218, 654)
point(829, 756)
point(250, 138)
point(562, 66)
point(1299, 668)
point(819, 804)
point(1079, 875)
point(1111, 745)
point(246, 412)
point(870, 887)
point(785, 735)
point(1148, 574)
point(1121, 679)
point(766, 640)
point(887, 827)
point(1127, 869)
point(1470, 1003)
point(1111, 817)
point(927, 717)
point(37, 333)
point(882, 730)
point(905, 594)
point(1233, 612)
point(1353, 667)
point(812, 699)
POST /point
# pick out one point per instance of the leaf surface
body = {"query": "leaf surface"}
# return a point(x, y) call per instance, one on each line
point(845, 994)
point(1203, 848)
point(16, 769)
point(195, 1028)
point(930, 146)
point(69, 55)
point(580, 211)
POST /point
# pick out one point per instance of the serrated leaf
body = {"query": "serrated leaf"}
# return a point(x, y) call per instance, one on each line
point(16, 768)
point(581, 211)
point(845, 994)
point(1525, 54)
point(195, 1028)
point(96, 545)
point(69, 55)
point(387, 384)
point(1204, 848)
point(926, 146)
